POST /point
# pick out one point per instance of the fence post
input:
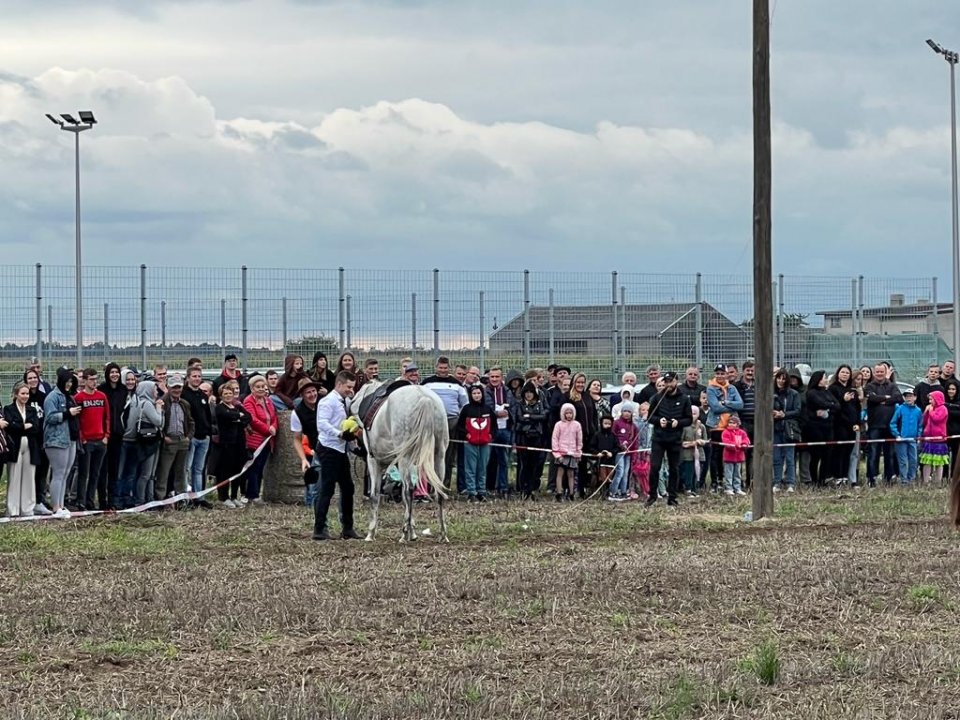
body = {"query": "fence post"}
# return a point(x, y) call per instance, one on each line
point(698, 320)
point(243, 315)
point(223, 327)
point(413, 326)
point(283, 324)
point(436, 313)
point(526, 319)
point(349, 323)
point(623, 331)
point(163, 331)
point(781, 328)
point(143, 318)
point(853, 320)
point(860, 332)
point(50, 331)
point(550, 329)
point(936, 321)
point(615, 336)
point(342, 300)
point(482, 320)
point(39, 349)
point(106, 331)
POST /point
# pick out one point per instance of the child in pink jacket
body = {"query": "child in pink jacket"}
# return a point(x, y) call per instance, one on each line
point(934, 451)
point(567, 448)
point(735, 441)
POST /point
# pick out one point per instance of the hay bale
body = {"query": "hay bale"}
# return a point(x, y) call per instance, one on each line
point(282, 479)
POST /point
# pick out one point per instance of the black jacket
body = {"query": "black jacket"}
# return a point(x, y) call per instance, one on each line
point(848, 413)
point(607, 441)
point(646, 394)
point(953, 417)
point(232, 422)
point(882, 401)
point(788, 401)
point(675, 406)
point(529, 420)
point(691, 392)
point(200, 411)
point(117, 400)
point(821, 400)
point(17, 432)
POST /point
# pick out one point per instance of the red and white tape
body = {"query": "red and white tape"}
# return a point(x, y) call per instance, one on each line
point(189, 495)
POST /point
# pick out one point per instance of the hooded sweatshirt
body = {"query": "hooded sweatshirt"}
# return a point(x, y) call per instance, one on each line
point(116, 398)
point(907, 421)
point(142, 410)
point(567, 434)
point(627, 434)
point(476, 420)
point(935, 417)
point(287, 383)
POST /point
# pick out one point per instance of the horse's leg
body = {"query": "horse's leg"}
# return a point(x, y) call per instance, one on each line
point(376, 477)
point(439, 465)
point(405, 492)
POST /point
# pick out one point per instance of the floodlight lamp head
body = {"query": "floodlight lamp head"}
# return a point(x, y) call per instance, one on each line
point(69, 118)
point(935, 47)
point(87, 117)
point(52, 119)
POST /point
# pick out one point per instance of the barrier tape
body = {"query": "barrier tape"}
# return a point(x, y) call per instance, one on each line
point(189, 495)
point(744, 447)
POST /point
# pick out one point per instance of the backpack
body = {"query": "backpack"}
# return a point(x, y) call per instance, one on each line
point(478, 430)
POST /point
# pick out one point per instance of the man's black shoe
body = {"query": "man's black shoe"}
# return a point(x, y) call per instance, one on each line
point(672, 502)
point(651, 502)
point(351, 534)
point(321, 535)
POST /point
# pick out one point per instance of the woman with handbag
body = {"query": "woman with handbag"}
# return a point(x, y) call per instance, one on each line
point(786, 430)
point(24, 430)
point(61, 431)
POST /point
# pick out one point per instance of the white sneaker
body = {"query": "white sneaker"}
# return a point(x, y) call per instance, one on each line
point(42, 509)
point(790, 489)
point(728, 492)
point(62, 513)
point(243, 500)
point(739, 492)
point(257, 501)
point(776, 488)
point(229, 504)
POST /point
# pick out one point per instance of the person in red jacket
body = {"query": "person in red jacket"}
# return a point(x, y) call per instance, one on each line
point(263, 426)
point(94, 435)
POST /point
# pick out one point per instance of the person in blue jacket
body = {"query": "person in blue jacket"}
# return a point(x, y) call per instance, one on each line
point(906, 425)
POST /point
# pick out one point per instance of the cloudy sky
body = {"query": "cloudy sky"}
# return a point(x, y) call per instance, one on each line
point(556, 134)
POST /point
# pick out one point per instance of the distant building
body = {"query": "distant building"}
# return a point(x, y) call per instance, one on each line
point(897, 318)
point(665, 330)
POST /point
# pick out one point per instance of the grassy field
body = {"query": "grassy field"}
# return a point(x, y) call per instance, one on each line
point(844, 606)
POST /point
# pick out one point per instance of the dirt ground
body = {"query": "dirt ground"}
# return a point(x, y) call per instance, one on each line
point(844, 606)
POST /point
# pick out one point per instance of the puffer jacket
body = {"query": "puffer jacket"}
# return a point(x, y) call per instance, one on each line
point(529, 419)
point(567, 435)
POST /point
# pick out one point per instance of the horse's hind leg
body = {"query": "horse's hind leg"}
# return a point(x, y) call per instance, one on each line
point(439, 465)
point(376, 477)
point(405, 482)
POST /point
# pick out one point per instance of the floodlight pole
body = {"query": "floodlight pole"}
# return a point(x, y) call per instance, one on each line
point(952, 58)
point(71, 125)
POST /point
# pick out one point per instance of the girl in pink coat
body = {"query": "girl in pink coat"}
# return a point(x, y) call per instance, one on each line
point(934, 454)
point(567, 448)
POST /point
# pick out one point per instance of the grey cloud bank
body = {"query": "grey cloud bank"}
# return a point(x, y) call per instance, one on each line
point(554, 134)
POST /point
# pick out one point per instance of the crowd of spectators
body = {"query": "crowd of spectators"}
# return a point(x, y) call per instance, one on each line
point(132, 437)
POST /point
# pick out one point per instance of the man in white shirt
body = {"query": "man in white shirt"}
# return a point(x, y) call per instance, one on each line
point(332, 454)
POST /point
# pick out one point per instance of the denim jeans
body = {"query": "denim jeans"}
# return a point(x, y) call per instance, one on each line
point(137, 465)
point(731, 476)
point(621, 475)
point(497, 465)
point(196, 463)
point(907, 460)
point(310, 493)
point(475, 458)
point(783, 456)
point(255, 474)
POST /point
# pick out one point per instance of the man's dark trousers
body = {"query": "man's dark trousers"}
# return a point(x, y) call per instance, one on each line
point(334, 472)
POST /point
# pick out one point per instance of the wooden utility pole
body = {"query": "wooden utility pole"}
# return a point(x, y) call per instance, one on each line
point(762, 267)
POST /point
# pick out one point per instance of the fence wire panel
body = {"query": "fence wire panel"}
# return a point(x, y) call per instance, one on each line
point(601, 323)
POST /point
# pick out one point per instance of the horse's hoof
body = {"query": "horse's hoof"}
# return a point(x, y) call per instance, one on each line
point(368, 538)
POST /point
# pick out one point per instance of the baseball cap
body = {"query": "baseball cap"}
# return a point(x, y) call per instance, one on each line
point(229, 356)
point(668, 376)
point(175, 380)
point(909, 391)
point(410, 366)
point(720, 368)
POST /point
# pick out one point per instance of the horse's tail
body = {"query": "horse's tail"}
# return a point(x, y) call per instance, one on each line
point(420, 446)
point(955, 497)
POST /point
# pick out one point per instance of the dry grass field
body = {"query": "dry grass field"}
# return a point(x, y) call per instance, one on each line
point(844, 606)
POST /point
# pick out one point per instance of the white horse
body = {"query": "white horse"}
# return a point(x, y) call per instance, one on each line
point(409, 431)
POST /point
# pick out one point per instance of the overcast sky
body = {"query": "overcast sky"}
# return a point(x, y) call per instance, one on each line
point(557, 134)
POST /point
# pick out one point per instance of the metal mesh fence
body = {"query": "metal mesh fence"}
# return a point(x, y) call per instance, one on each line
point(601, 323)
